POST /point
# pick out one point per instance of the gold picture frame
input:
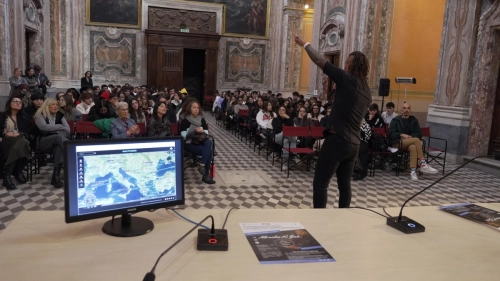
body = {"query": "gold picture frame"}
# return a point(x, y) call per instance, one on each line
point(122, 13)
point(248, 20)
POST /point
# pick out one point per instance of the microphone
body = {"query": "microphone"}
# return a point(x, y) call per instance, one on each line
point(150, 276)
point(407, 225)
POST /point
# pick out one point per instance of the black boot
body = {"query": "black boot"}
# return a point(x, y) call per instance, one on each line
point(6, 176)
point(18, 171)
point(56, 181)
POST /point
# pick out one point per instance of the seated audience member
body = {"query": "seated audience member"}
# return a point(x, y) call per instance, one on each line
point(15, 146)
point(36, 103)
point(265, 115)
point(302, 121)
point(54, 130)
point(194, 129)
point(239, 106)
point(158, 124)
point(86, 102)
point(113, 102)
point(66, 107)
point(181, 113)
point(123, 126)
point(253, 114)
point(100, 110)
point(389, 114)
point(361, 168)
point(135, 113)
point(283, 120)
point(315, 116)
point(73, 93)
point(405, 134)
point(170, 111)
point(373, 117)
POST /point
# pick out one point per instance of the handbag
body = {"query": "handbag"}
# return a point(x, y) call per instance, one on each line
point(199, 138)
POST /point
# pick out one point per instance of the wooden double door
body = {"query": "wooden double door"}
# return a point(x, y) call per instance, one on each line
point(183, 60)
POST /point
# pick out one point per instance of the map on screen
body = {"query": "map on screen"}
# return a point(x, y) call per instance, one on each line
point(110, 179)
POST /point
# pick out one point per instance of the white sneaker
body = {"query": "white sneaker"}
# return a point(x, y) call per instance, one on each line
point(413, 175)
point(425, 168)
point(285, 166)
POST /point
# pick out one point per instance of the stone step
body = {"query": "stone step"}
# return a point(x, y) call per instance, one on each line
point(485, 165)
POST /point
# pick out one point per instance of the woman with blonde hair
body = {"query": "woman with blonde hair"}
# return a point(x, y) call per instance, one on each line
point(54, 130)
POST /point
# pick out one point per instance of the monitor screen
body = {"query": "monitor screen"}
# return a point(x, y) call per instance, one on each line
point(121, 177)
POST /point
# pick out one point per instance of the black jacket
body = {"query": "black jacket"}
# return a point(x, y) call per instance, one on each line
point(396, 129)
point(279, 122)
point(85, 84)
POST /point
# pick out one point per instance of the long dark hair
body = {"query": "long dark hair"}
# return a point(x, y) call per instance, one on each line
point(134, 113)
point(155, 111)
point(360, 66)
point(8, 109)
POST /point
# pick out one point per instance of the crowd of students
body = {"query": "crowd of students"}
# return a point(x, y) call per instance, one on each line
point(33, 122)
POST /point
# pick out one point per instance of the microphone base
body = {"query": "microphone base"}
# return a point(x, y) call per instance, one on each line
point(406, 225)
point(216, 242)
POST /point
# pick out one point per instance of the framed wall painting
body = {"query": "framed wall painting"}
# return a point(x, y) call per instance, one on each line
point(248, 18)
point(118, 13)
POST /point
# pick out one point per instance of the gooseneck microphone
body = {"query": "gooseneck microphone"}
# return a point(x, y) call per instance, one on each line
point(407, 225)
point(150, 276)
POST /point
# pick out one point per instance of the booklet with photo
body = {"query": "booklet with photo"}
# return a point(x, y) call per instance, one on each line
point(284, 243)
point(475, 213)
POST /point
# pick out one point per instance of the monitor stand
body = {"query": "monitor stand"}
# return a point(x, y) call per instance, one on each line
point(128, 226)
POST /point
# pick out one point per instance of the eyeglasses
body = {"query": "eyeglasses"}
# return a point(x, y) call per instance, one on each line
point(17, 101)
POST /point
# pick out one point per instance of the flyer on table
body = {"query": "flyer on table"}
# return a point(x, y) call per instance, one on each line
point(287, 242)
point(475, 213)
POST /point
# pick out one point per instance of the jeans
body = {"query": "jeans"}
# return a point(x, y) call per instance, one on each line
point(204, 150)
point(336, 155)
point(292, 141)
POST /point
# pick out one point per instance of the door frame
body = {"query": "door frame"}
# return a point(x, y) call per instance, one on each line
point(156, 40)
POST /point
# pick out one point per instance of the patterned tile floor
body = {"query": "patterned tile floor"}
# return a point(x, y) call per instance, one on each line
point(383, 190)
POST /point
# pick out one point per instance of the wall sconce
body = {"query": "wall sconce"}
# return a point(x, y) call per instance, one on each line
point(306, 6)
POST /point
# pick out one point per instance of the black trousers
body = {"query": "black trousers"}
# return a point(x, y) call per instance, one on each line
point(362, 161)
point(336, 155)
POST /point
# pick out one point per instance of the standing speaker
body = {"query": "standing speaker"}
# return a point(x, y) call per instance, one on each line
point(384, 86)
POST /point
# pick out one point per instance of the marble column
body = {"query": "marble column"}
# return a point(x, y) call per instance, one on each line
point(485, 82)
point(290, 52)
point(275, 32)
point(319, 10)
point(449, 115)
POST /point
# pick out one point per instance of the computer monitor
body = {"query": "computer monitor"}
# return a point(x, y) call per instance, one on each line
point(111, 177)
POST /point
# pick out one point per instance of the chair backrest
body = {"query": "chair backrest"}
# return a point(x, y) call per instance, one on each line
point(426, 131)
point(292, 131)
point(175, 129)
point(85, 127)
point(243, 112)
point(72, 128)
point(142, 128)
point(84, 117)
point(381, 132)
point(317, 132)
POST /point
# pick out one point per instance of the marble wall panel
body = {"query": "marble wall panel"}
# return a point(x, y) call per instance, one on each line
point(485, 79)
point(243, 63)
point(113, 54)
point(175, 19)
point(458, 49)
point(58, 37)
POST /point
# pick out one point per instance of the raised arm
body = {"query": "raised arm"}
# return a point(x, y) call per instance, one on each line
point(316, 57)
